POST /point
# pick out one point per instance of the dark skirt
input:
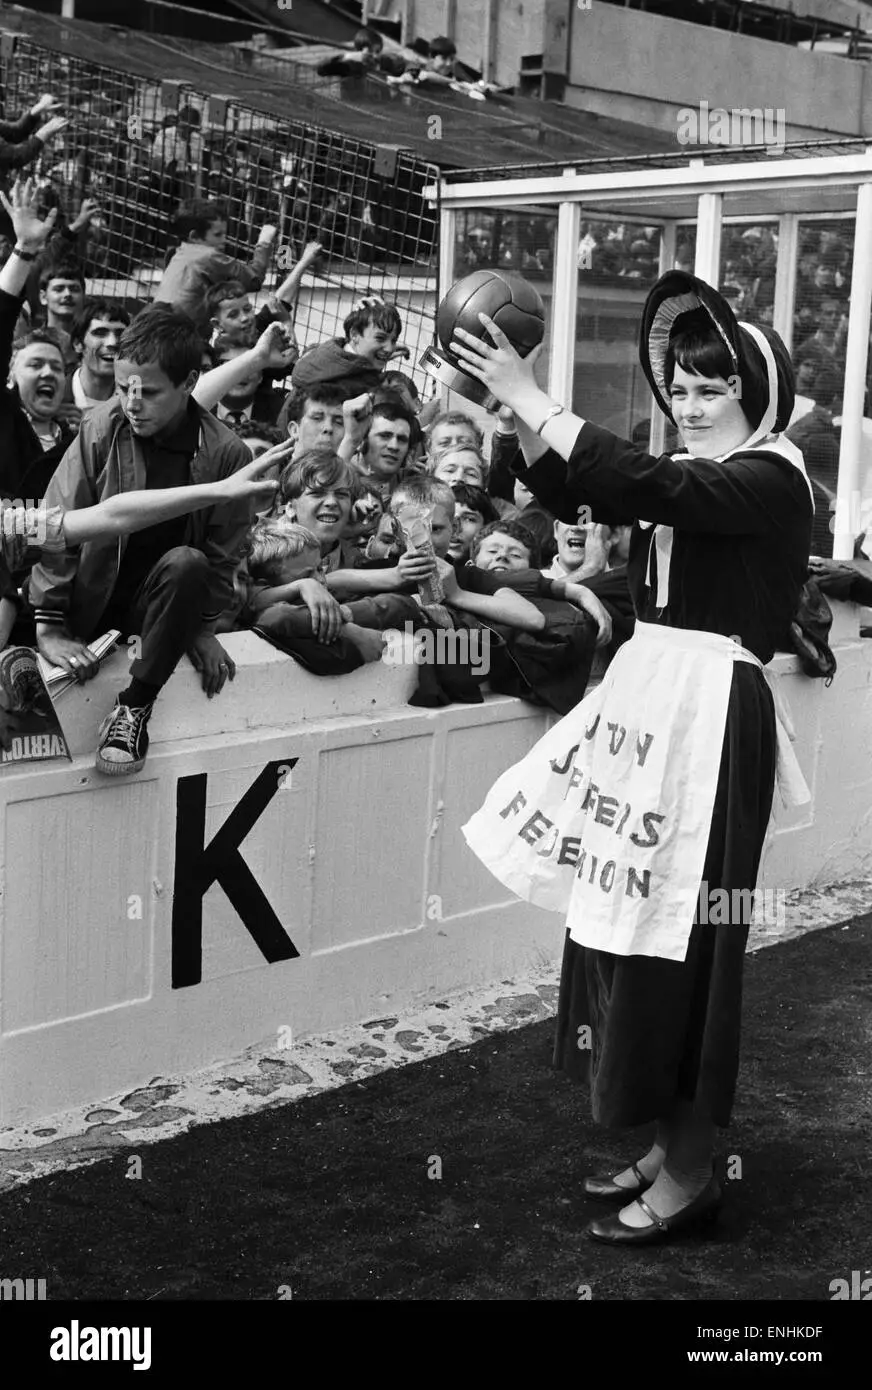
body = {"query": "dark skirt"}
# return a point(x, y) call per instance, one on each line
point(666, 1030)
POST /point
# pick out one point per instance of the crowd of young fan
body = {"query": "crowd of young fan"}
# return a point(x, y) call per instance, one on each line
point(163, 434)
point(158, 477)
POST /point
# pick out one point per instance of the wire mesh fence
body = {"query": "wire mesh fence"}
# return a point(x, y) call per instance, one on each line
point(138, 146)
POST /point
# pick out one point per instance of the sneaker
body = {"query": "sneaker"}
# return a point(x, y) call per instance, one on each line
point(123, 740)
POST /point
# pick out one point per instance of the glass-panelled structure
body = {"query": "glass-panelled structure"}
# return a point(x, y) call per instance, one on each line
point(787, 239)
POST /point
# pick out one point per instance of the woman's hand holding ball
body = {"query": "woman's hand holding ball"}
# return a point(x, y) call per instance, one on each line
point(507, 375)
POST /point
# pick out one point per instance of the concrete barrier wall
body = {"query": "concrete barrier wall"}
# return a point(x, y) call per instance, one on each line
point(290, 861)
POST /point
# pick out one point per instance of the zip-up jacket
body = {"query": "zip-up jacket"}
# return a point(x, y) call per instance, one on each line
point(195, 267)
point(73, 589)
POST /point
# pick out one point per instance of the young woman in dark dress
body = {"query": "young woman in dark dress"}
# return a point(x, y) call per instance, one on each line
point(723, 549)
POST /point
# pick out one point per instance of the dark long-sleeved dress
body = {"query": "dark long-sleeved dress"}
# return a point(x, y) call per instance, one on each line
point(662, 1029)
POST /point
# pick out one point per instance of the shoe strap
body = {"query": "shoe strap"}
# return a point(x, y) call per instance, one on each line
point(661, 1222)
point(640, 1177)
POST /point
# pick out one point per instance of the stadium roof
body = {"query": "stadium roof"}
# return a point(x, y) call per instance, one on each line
point(505, 130)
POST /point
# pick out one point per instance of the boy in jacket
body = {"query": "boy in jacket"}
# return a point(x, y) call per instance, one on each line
point(168, 583)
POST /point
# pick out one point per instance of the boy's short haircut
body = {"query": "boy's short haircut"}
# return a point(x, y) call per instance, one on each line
point(216, 295)
point(197, 215)
point(94, 308)
point(518, 532)
point(172, 340)
point(391, 407)
point(328, 393)
point(51, 336)
point(443, 48)
point(368, 38)
point(274, 539)
point(476, 499)
point(421, 487)
point(456, 417)
point(61, 270)
point(374, 312)
point(320, 467)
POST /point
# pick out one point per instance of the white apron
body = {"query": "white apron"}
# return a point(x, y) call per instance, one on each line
point(608, 818)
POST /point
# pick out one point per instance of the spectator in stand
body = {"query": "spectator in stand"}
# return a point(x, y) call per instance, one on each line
point(201, 261)
point(61, 296)
point(34, 436)
point(284, 564)
point(68, 244)
point(386, 447)
point(94, 337)
point(473, 510)
point(509, 548)
point(571, 544)
point(313, 418)
point(232, 317)
point(250, 399)
point(172, 582)
point(821, 346)
point(819, 441)
point(463, 464)
point(177, 155)
point(414, 567)
point(505, 545)
point(317, 489)
point(356, 361)
point(24, 140)
point(450, 430)
point(367, 55)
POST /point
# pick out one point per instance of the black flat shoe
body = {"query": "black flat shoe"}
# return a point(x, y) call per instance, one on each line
point(702, 1209)
point(607, 1190)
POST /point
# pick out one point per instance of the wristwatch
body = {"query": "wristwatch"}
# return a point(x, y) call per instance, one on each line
point(554, 410)
point(24, 255)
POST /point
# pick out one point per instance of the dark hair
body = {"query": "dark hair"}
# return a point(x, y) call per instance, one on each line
point(216, 295)
point(61, 270)
point(171, 339)
point(443, 48)
point(253, 429)
point(94, 308)
point(375, 312)
point(518, 532)
point(402, 380)
point(699, 352)
point(476, 499)
point(327, 393)
point(368, 38)
point(319, 466)
point(187, 115)
point(391, 407)
point(197, 215)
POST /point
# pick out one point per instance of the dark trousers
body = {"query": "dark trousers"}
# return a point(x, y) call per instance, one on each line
point(166, 611)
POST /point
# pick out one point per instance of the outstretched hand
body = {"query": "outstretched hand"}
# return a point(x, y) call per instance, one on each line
point(251, 479)
point(502, 368)
point(22, 208)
